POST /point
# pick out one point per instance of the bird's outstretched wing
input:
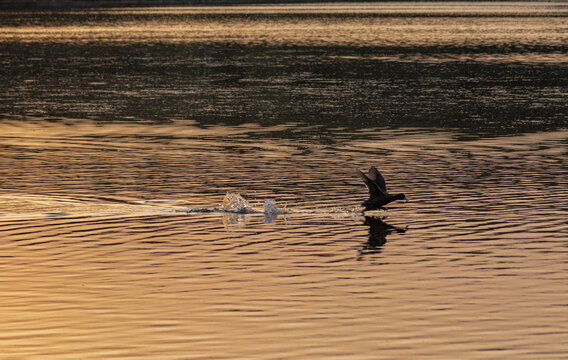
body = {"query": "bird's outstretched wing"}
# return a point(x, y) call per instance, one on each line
point(374, 190)
point(378, 179)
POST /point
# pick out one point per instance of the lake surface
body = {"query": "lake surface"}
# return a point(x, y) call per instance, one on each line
point(122, 130)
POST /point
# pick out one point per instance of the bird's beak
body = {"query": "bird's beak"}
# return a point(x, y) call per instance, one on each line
point(405, 198)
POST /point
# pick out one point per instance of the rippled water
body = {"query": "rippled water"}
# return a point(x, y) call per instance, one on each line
point(118, 148)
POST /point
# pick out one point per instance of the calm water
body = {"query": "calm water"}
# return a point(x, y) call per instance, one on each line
point(120, 128)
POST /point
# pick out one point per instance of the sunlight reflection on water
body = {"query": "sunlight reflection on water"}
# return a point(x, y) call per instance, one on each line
point(123, 130)
point(477, 251)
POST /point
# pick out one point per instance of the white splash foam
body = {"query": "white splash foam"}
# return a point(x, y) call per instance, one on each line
point(235, 203)
point(271, 208)
point(271, 211)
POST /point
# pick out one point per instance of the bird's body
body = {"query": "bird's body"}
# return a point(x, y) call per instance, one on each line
point(378, 194)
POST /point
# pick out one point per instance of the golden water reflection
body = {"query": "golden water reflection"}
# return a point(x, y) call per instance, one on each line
point(474, 264)
point(121, 131)
point(516, 25)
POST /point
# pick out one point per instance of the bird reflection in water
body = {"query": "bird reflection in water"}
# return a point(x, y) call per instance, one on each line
point(234, 220)
point(378, 232)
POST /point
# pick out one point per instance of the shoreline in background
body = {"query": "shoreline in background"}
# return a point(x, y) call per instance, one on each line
point(71, 4)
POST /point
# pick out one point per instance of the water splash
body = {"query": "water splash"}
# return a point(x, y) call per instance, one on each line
point(271, 211)
point(236, 203)
point(271, 208)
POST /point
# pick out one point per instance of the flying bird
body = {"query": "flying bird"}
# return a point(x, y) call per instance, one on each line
point(378, 194)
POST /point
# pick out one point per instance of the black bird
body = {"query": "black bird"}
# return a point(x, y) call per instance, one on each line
point(378, 195)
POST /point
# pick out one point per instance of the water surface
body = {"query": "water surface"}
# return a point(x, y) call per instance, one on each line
point(122, 129)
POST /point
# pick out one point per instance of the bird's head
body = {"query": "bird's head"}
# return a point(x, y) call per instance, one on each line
point(401, 197)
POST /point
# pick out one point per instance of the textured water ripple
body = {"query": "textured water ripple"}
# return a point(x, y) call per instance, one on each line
point(97, 259)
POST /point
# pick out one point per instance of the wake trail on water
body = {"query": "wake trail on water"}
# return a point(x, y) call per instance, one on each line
point(31, 206)
point(236, 204)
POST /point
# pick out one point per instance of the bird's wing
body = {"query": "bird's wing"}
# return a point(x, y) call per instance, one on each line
point(371, 185)
point(378, 179)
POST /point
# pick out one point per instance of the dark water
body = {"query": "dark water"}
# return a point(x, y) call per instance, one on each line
point(119, 128)
point(482, 67)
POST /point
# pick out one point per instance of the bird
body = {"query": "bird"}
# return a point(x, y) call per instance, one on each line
point(378, 194)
